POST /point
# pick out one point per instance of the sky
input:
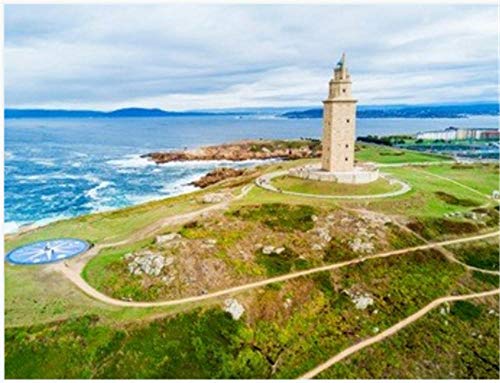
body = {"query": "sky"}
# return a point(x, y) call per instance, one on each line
point(185, 57)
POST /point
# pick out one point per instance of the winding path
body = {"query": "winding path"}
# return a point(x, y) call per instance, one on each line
point(74, 276)
point(392, 330)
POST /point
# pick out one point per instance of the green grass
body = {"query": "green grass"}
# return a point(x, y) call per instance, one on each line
point(194, 345)
point(470, 174)
point(425, 199)
point(279, 216)
point(388, 155)
point(437, 346)
point(483, 254)
point(300, 185)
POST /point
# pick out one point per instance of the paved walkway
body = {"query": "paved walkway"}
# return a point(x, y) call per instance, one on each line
point(392, 330)
point(74, 275)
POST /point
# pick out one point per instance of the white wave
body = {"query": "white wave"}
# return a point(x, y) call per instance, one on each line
point(131, 161)
point(92, 193)
point(10, 227)
point(8, 155)
point(137, 200)
point(43, 161)
point(14, 227)
point(57, 176)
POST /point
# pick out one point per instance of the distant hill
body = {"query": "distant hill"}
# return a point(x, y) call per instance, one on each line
point(410, 111)
point(364, 111)
point(126, 112)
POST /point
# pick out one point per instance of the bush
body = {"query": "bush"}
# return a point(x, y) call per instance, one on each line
point(452, 200)
point(465, 310)
point(432, 228)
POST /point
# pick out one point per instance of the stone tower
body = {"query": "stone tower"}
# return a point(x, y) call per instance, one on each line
point(339, 122)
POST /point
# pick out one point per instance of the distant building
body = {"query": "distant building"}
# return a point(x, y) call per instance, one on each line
point(453, 133)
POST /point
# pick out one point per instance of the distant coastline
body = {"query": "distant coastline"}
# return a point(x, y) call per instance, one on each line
point(411, 111)
point(462, 110)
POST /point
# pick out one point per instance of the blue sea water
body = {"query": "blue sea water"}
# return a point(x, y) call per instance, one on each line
point(60, 168)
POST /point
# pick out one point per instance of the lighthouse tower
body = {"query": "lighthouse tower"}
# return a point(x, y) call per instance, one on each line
point(339, 122)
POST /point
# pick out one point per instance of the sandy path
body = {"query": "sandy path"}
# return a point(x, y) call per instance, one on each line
point(392, 330)
point(74, 276)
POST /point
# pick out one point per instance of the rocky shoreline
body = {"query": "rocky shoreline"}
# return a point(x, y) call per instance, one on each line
point(217, 175)
point(244, 150)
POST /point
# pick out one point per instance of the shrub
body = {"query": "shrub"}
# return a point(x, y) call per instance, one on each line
point(465, 310)
point(452, 200)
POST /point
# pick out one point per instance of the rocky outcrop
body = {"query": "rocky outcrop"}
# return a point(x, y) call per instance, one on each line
point(244, 150)
point(233, 307)
point(148, 263)
point(217, 175)
point(360, 299)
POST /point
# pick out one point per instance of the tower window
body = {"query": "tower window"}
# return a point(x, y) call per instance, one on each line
point(348, 120)
point(346, 145)
point(347, 159)
point(343, 90)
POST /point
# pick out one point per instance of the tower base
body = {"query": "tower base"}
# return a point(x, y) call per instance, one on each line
point(359, 175)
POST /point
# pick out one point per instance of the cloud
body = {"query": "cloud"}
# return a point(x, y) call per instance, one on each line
point(190, 57)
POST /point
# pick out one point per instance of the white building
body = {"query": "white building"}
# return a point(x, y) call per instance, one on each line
point(452, 133)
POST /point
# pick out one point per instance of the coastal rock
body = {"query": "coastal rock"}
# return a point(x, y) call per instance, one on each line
point(217, 175)
point(244, 150)
point(233, 307)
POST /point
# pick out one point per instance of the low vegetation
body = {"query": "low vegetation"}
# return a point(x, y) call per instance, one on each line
point(462, 340)
point(285, 331)
point(300, 185)
point(279, 216)
point(483, 255)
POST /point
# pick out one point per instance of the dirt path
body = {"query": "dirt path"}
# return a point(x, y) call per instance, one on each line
point(74, 276)
point(392, 330)
point(77, 264)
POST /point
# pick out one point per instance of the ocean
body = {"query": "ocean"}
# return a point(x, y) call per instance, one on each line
point(60, 168)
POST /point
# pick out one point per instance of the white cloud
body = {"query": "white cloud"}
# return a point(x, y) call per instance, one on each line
point(189, 57)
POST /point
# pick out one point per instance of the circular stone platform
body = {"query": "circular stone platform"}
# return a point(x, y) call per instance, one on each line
point(49, 251)
point(359, 175)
